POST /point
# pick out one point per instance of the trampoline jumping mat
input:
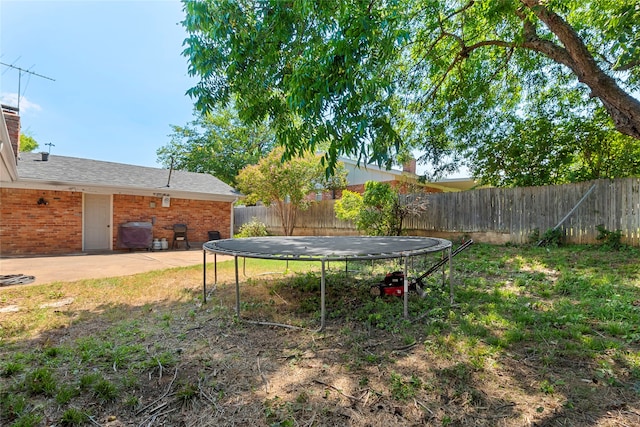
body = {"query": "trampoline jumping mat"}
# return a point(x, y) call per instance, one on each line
point(327, 247)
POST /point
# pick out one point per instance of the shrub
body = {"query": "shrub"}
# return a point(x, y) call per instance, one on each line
point(253, 228)
point(610, 239)
point(552, 237)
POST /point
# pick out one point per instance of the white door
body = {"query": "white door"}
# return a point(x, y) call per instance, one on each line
point(97, 222)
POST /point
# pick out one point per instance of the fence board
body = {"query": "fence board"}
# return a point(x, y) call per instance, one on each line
point(516, 212)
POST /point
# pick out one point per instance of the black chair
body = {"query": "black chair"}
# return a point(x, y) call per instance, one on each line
point(180, 235)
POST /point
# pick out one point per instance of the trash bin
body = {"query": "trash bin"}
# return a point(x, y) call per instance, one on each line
point(214, 235)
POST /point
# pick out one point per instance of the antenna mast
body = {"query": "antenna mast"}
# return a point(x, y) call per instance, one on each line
point(20, 71)
point(170, 170)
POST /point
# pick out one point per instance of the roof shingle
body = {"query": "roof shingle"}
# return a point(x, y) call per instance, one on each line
point(73, 170)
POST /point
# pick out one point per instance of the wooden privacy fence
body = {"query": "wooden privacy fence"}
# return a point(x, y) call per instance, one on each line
point(498, 214)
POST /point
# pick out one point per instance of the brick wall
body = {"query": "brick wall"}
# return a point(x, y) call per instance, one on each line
point(27, 227)
point(200, 216)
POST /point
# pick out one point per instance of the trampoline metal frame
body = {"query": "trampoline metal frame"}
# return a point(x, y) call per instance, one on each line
point(214, 246)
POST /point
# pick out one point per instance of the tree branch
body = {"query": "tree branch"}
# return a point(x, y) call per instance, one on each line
point(464, 53)
point(628, 65)
point(623, 108)
point(459, 11)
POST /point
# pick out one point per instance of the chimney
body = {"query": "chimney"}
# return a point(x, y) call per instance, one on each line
point(409, 166)
point(12, 118)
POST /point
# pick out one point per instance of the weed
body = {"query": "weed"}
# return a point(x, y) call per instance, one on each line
point(66, 392)
point(40, 381)
point(129, 380)
point(92, 348)
point(88, 380)
point(74, 417)
point(12, 405)
point(408, 339)
point(460, 373)
point(402, 389)
point(546, 387)
point(52, 352)
point(121, 356)
point(56, 294)
point(132, 401)
point(186, 391)
point(373, 359)
point(27, 420)
point(12, 368)
point(611, 240)
point(278, 412)
point(166, 359)
point(303, 397)
point(105, 390)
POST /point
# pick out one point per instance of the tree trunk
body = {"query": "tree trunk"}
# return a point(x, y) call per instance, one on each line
point(622, 107)
point(288, 213)
point(281, 208)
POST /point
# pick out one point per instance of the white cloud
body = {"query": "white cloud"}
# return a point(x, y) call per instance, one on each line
point(11, 99)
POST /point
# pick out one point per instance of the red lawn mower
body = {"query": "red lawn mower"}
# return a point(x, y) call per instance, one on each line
point(393, 283)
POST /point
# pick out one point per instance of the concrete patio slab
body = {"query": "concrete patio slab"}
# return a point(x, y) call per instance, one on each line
point(47, 269)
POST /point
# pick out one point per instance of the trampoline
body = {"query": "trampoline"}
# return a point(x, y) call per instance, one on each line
point(325, 249)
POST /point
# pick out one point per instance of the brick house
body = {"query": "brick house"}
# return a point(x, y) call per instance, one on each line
point(53, 204)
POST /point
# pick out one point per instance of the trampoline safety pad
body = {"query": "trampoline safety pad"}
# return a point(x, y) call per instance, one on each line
point(323, 249)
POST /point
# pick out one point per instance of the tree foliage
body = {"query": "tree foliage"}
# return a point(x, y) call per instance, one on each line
point(287, 185)
point(27, 143)
point(375, 79)
point(349, 206)
point(217, 143)
point(558, 147)
point(379, 211)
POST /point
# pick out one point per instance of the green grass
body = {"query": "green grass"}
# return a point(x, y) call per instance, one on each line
point(556, 310)
point(74, 417)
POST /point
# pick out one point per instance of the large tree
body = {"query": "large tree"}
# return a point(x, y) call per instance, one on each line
point(373, 78)
point(218, 143)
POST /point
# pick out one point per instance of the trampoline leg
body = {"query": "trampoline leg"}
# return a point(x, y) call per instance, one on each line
point(406, 289)
point(204, 276)
point(215, 269)
point(322, 298)
point(444, 269)
point(237, 288)
point(451, 293)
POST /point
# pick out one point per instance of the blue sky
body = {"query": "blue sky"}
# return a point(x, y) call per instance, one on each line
point(120, 78)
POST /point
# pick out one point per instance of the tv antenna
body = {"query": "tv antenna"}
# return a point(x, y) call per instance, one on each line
point(50, 144)
point(20, 72)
